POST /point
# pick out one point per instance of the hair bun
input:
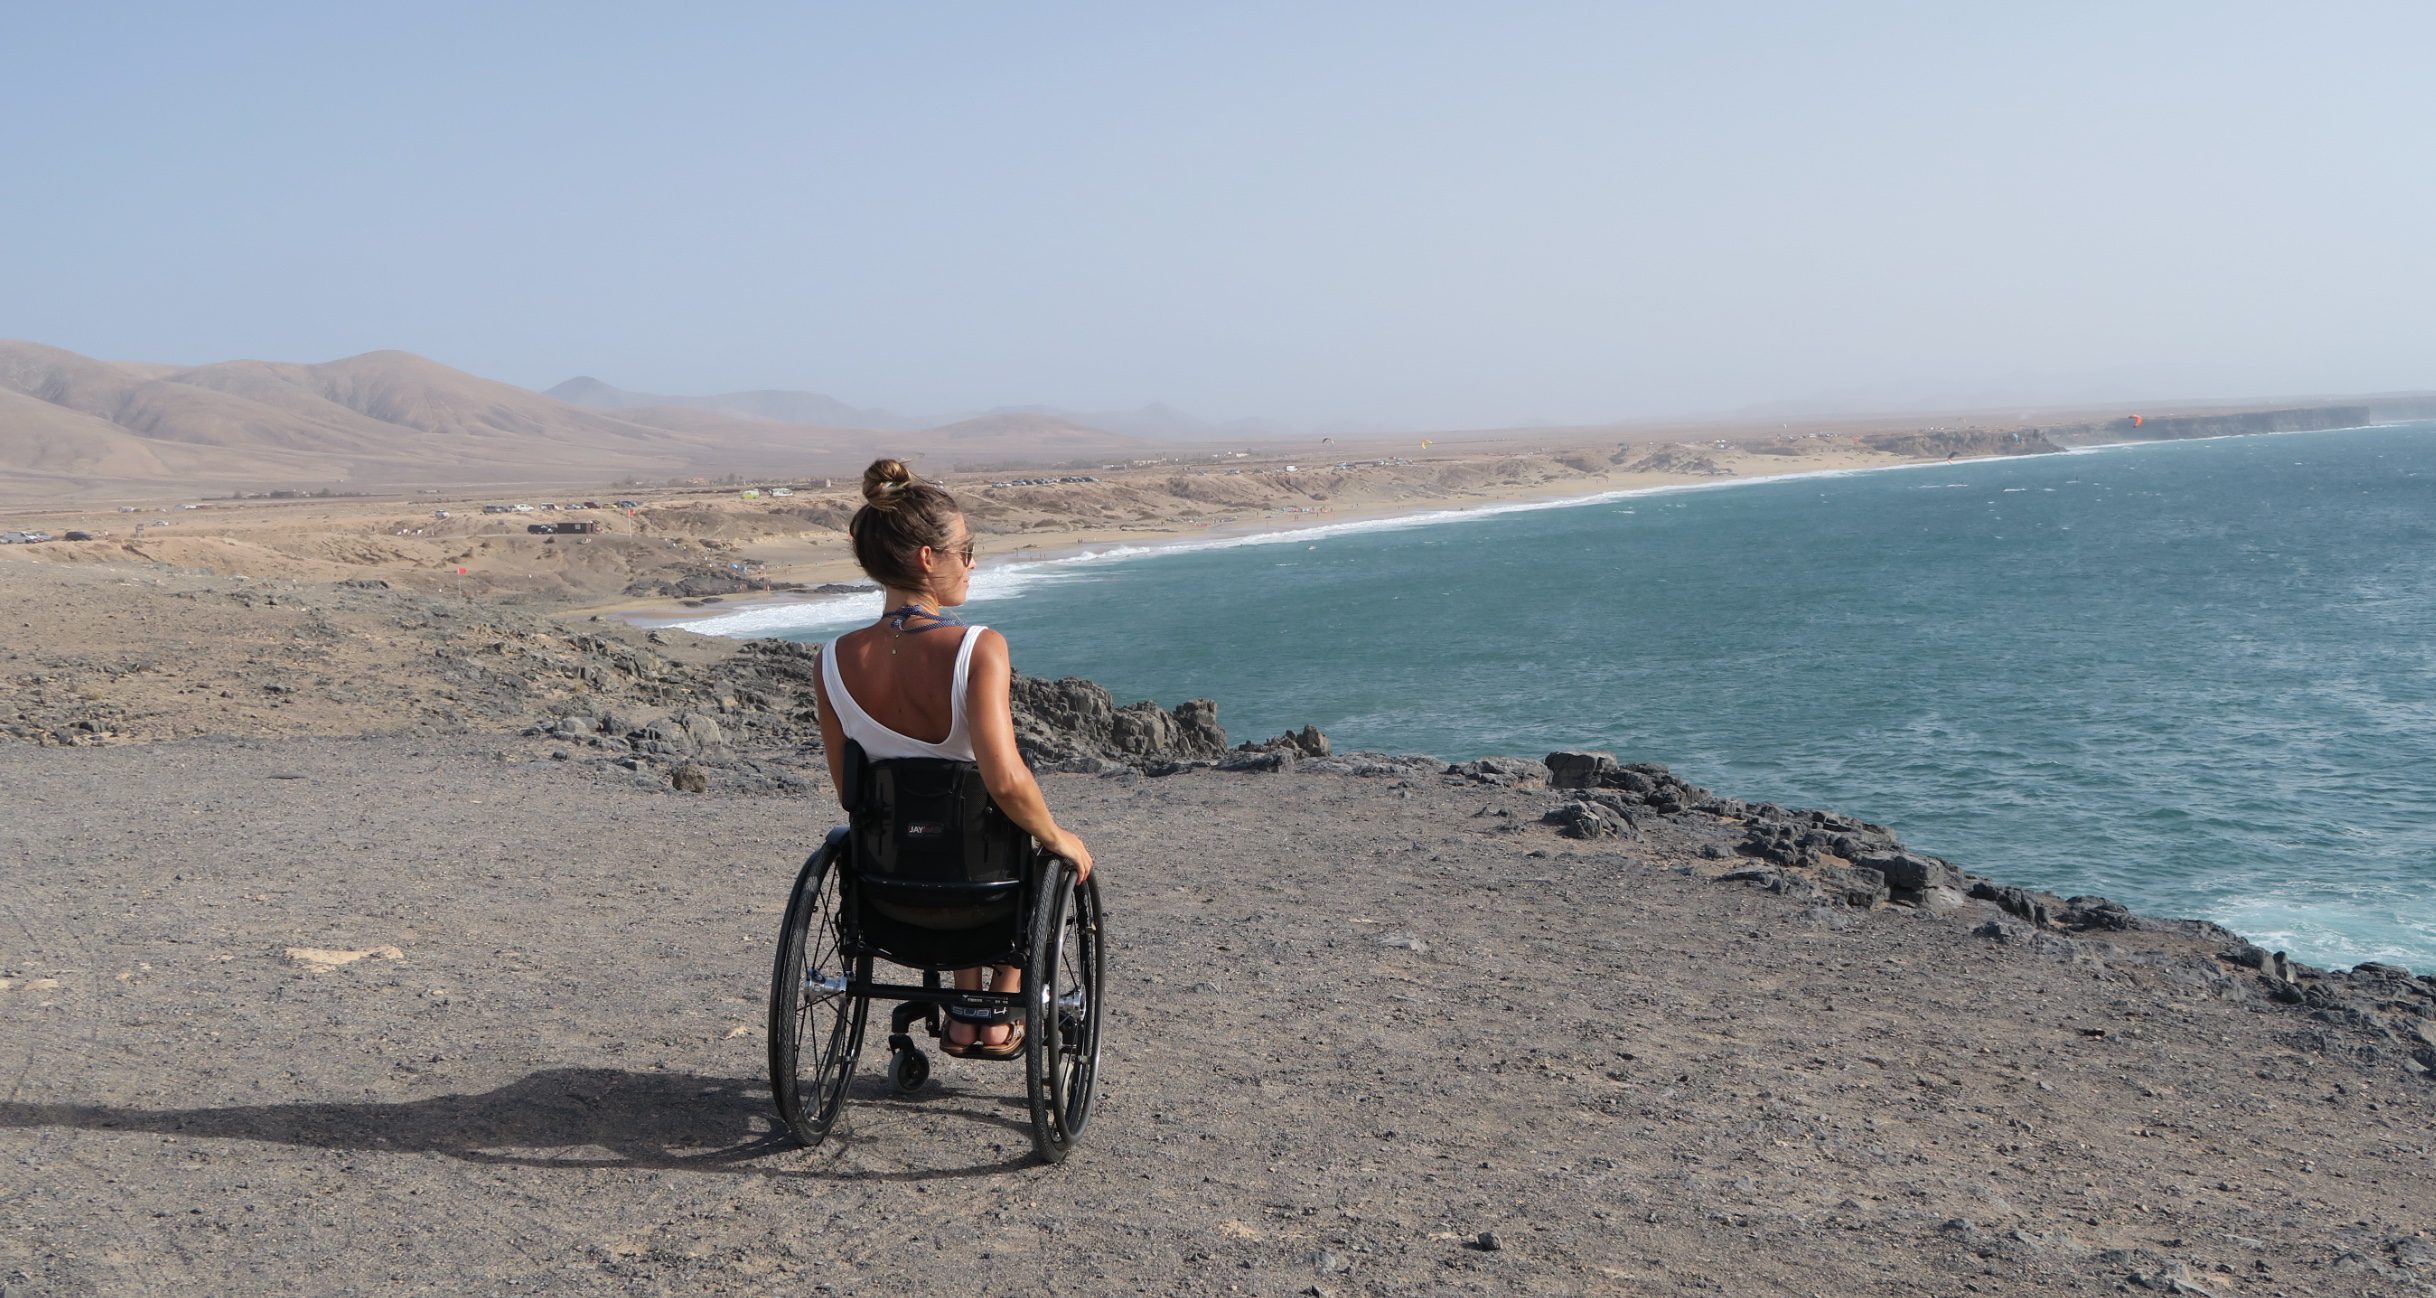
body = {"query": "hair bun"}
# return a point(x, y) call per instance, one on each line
point(884, 482)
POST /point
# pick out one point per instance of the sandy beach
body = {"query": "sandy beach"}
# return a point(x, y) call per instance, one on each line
point(682, 552)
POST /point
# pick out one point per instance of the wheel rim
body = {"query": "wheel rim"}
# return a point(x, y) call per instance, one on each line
point(822, 1025)
point(1071, 1019)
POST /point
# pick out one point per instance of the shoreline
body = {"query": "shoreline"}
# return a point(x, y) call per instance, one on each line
point(656, 613)
point(413, 664)
point(684, 553)
point(1113, 545)
point(1104, 545)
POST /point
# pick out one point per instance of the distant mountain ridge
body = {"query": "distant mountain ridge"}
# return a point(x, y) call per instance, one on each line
point(70, 424)
point(776, 405)
point(1157, 421)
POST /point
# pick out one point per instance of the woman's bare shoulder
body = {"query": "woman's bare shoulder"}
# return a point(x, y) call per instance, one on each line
point(849, 640)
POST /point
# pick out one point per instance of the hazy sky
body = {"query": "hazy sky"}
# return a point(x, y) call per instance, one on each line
point(1412, 213)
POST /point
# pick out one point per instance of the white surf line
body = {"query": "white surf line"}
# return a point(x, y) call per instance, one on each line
point(1012, 579)
point(2224, 437)
point(1006, 581)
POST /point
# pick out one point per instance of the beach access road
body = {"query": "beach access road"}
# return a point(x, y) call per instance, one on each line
point(445, 1015)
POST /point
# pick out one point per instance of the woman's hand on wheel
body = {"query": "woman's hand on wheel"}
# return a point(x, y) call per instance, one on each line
point(1071, 848)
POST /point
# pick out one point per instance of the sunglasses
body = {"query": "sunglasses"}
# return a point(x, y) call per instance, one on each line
point(964, 552)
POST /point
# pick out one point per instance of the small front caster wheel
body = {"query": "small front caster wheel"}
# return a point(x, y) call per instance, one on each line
point(907, 1070)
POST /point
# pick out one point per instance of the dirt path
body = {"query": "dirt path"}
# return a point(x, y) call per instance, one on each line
point(1355, 1025)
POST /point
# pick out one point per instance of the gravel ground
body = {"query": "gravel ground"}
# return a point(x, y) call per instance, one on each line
point(1364, 1039)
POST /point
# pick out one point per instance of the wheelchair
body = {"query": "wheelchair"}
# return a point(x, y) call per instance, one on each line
point(928, 874)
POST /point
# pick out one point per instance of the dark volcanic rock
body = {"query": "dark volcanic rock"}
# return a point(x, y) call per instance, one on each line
point(1306, 742)
point(1579, 770)
point(1678, 459)
point(1061, 720)
point(2094, 912)
point(1962, 441)
point(1505, 772)
point(1590, 820)
point(1373, 764)
point(1907, 872)
point(2036, 907)
point(1645, 783)
point(1862, 886)
point(1778, 842)
point(699, 582)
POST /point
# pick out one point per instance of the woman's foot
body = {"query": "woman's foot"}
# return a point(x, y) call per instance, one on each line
point(980, 1034)
point(961, 1035)
point(1008, 1045)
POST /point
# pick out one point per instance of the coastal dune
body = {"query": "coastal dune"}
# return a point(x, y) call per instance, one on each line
point(470, 1001)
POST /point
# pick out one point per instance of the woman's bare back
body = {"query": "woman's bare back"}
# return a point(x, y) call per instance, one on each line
point(909, 690)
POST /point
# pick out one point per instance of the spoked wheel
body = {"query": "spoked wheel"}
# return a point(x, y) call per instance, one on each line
point(816, 1026)
point(1062, 1009)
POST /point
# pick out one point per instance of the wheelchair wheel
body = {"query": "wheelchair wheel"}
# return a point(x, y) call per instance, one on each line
point(816, 1027)
point(1062, 1010)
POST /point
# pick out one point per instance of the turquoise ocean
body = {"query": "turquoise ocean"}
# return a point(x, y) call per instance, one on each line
point(2197, 677)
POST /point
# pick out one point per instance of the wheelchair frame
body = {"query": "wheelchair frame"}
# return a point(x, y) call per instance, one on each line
point(821, 990)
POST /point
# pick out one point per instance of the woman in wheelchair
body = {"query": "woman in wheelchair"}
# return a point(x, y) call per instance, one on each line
point(919, 683)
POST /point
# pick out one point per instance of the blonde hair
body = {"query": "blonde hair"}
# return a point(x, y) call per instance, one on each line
point(900, 515)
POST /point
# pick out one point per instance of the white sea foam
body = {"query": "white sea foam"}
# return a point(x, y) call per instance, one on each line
point(996, 581)
point(2219, 437)
point(1010, 579)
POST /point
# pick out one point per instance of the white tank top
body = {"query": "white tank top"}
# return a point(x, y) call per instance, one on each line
point(881, 743)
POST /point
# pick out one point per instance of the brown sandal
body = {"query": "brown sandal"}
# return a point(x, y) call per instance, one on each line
point(979, 1021)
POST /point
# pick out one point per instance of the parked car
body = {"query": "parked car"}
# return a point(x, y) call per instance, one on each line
point(77, 536)
point(629, 504)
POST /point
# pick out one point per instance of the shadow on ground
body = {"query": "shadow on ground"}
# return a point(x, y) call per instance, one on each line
point(569, 1118)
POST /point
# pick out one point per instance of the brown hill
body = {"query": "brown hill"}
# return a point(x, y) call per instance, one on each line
point(778, 405)
point(70, 424)
point(37, 437)
point(404, 390)
point(143, 401)
point(1020, 433)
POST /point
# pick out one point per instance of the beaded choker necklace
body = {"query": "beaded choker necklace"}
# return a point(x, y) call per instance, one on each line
point(913, 619)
